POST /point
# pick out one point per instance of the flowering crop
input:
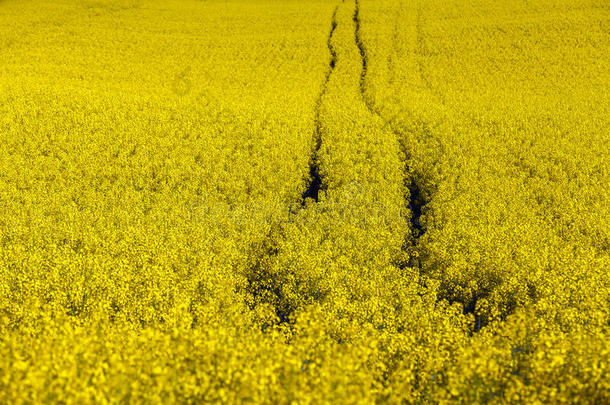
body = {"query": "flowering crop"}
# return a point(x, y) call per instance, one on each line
point(313, 201)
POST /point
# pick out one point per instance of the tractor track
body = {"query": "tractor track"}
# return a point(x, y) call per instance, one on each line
point(416, 202)
point(262, 284)
point(315, 178)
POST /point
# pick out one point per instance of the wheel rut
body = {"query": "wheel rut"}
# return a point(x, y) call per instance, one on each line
point(416, 201)
point(315, 178)
point(263, 286)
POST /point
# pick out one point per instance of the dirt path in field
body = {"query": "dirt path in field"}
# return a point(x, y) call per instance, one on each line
point(280, 278)
point(315, 179)
point(416, 201)
point(364, 57)
point(263, 285)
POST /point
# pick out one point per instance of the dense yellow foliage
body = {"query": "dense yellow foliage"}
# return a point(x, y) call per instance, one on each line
point(392, 201)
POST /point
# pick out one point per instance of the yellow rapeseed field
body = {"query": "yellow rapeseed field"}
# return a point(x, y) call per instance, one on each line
point(305, 201)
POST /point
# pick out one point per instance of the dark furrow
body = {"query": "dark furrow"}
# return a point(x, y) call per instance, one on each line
point(315, 182)
point(262, 284)
point(416, 204)
point(416, 201)
point(469, 306)
point(364, 58)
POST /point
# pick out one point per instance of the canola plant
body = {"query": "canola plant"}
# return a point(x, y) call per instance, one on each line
point(357, 201)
